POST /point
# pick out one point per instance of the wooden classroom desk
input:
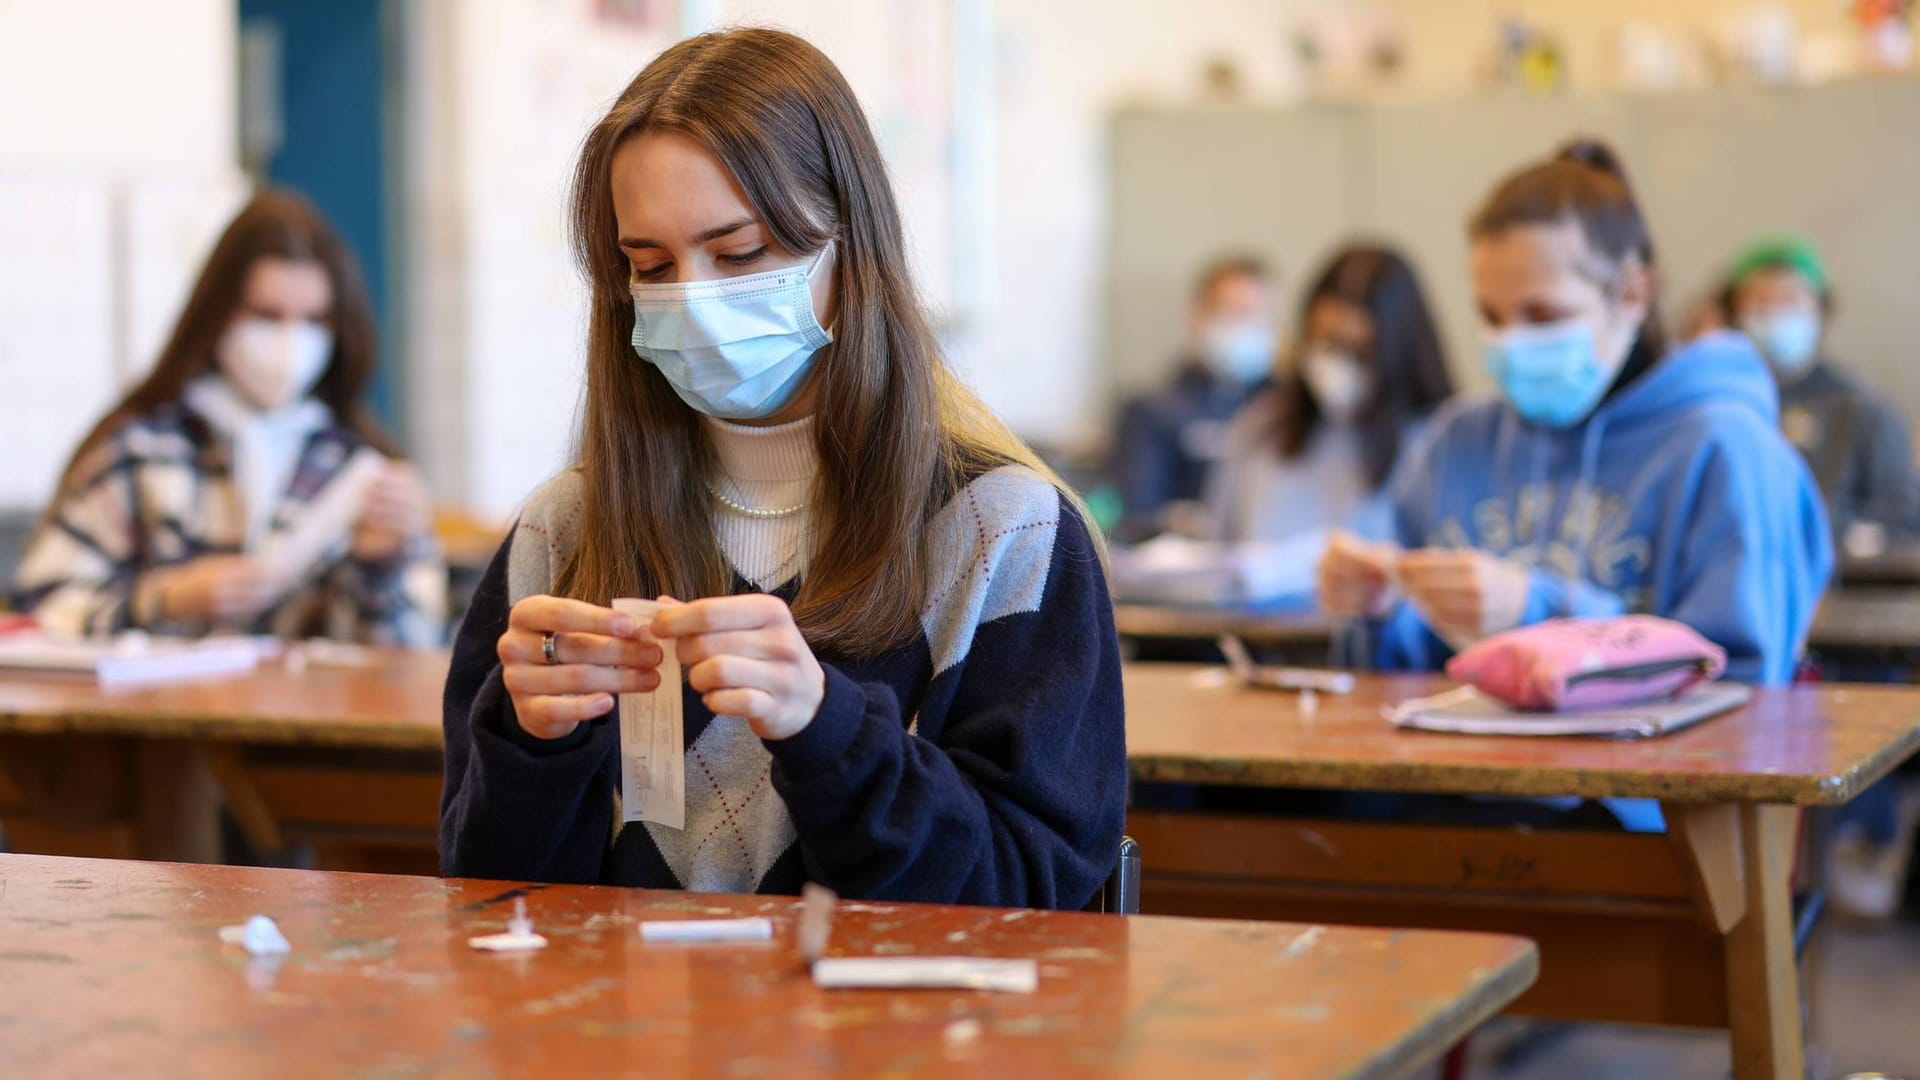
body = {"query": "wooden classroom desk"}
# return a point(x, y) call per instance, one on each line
point(1878, 619)
point(346, 758)
point(1204, 624)
point(1692, 927)
point(1687, 928)
point(115, 969)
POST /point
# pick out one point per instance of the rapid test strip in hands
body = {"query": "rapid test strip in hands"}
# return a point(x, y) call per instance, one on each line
point(653, 752)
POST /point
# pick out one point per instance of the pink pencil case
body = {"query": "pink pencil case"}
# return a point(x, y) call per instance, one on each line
point(1571, 664)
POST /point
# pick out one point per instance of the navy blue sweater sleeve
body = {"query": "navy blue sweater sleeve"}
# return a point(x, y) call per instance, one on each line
point(1018, 799)
point(513, 806)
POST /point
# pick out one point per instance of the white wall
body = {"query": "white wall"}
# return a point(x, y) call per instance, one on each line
point(513, 84)
point(117, 167)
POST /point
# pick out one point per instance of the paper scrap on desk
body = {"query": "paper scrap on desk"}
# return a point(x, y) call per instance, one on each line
point(926, 973)
point(653, 753)
point(258, 935)
point(326, 522)
point(705, 930)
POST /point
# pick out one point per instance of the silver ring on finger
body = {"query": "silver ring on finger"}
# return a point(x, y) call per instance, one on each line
point(550, 649)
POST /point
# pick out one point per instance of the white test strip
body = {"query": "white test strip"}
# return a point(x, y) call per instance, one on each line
point(926, 973)
point(653, 739)
point(707, 930)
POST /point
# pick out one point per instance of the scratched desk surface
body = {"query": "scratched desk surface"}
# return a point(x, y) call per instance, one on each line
point(1813, 745)
point(389, 701)
point(114, 968)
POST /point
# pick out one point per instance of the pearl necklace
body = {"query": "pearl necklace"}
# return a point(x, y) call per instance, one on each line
point(756, 512)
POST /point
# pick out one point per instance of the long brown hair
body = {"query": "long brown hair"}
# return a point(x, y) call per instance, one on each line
point(898, 435)
point(275, 224)
point(1409, 365)
point(1585, 183)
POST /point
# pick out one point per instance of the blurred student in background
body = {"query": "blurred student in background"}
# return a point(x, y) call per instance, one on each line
point(1169, 440)
point(163, 517)
point(1857, 444)
point(1614, 475)
point(1314, 450)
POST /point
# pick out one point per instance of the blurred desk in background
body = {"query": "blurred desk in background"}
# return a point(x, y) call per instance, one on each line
point(1852, 621)
point(1693, 927)
point(1895, 566)
point(468, 541)
point(346, 758)
point(1257, 628)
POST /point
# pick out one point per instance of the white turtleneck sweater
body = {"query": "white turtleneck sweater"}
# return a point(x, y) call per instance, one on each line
point(766, 468)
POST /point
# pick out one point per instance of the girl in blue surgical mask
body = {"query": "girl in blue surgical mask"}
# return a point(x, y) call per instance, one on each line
point(1613, 475)
point(901, 672)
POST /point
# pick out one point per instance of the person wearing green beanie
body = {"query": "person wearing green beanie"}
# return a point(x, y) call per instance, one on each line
point(1857, 444)
point(1862, 457)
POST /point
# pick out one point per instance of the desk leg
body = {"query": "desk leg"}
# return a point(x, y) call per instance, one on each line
point(1763, 990)
point(177, 804)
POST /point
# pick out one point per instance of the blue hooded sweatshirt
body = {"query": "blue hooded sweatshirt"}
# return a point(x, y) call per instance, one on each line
point(1678, 497)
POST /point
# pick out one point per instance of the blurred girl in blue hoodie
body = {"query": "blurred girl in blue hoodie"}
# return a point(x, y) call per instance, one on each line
point(1614, 474)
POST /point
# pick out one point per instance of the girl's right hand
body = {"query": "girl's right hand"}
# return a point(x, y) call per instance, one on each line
point(1354, 576)
point(601, 653)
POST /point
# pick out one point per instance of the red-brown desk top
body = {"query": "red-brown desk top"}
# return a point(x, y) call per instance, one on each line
point(1805, 745)
point(114, 968)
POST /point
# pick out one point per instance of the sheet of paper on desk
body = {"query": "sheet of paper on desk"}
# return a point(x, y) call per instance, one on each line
point(1466, 711)
point(130, 660)
point(653, 755)
point(1175, 570)
point(327, 521)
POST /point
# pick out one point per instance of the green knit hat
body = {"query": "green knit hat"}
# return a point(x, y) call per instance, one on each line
point(1778, 252)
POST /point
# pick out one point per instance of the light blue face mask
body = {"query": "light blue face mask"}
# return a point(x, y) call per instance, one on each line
point(1241, 350)
point(738, 348)
point(1788, 339)
point(1550, 374)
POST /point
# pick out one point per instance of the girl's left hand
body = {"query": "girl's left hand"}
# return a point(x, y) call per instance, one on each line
point(397, 509)
point(747, 658)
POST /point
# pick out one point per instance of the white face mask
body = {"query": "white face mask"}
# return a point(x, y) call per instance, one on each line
point(738, 348)
point(274, 363)
point(1340, 384)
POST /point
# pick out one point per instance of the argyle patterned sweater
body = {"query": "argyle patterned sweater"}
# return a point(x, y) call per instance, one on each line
point(982, 762)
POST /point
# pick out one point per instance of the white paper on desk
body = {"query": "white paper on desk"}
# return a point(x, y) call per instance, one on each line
point(131, 659)
point(926, 973)
point(653, 753)
point(326, 521)
point(1466, 711)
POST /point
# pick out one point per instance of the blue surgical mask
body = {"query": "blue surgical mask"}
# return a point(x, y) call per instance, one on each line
point(1551, 374)
point(738, 348)
point(1238, 349)
point(1790, 340)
